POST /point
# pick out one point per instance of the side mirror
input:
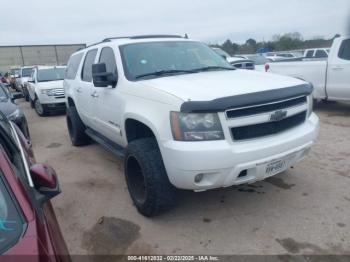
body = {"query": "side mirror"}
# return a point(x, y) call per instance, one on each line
point(101, 77)
point(45, 181)
point(16, 95)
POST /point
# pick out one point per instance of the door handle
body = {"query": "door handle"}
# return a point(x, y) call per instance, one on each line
point(95, 94)
point(337, 68)
point(78, 90)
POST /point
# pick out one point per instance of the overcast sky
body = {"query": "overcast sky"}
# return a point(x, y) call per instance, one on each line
point(87, 21)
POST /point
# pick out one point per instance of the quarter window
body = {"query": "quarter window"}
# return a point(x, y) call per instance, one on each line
point(320, 54)
point(309, 54)
point(86, 74)
point(73, 65)
point(344, 51)
point(107, 56)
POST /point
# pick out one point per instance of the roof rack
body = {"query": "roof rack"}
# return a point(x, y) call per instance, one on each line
point(134, 37)
point(141, 37)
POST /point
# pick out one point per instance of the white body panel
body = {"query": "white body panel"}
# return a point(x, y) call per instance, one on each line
point(151, 101)
point(330, 78)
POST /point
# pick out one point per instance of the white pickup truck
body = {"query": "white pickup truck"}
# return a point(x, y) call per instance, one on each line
point(330, 78)
point(183, 117)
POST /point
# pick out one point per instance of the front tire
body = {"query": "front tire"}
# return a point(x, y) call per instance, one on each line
point(76, 128)
point(39, 108)
point(146, 177)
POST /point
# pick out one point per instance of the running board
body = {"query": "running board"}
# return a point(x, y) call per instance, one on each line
point(106, 143)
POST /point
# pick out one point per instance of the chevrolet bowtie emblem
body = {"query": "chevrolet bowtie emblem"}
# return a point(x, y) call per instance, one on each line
point(278, 115)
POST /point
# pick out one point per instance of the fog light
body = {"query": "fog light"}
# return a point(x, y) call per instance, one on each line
point(198, 178)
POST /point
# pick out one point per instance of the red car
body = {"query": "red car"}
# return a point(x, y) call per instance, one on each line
point(28, 225)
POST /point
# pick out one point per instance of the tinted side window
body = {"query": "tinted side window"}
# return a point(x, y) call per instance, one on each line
point(320, 54)
point(344, 51)
point(107, 56)
point(11, 222)
point(86, 74)
point(73, 65)
point(309, 54)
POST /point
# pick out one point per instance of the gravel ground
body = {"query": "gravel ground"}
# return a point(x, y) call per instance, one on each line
point(305, 210)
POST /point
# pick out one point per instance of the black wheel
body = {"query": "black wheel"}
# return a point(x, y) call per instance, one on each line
point(39, 108)
point(146, 177)
point(25, 93)
point(76, 128)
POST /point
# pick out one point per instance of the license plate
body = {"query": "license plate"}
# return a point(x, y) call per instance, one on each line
point(275, 167)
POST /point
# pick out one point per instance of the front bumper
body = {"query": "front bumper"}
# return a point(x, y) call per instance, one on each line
point(223, 162)
point(52, 103)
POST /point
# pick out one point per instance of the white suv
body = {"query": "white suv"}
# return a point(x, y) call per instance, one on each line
point(45, 88)
point(183, 117)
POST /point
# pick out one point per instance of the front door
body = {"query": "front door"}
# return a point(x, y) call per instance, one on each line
point(108, 101)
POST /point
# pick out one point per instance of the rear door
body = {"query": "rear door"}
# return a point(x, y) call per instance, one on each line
point(108, 102)
point(338, 83)
point(84, 89)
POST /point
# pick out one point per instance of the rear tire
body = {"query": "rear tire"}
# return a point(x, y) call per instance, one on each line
point(76, 128)
point(146, 177)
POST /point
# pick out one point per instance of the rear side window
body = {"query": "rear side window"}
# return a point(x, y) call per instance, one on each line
point(73, 65)
point(320, 54)
point(86, 74)
point(107, 56)
point(344, 51)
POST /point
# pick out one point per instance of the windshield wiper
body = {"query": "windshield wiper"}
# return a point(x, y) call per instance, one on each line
point(209, 68)
point(165, 72)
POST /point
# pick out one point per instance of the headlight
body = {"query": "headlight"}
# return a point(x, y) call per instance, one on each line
point(196, 126)
point(310, 101)
point(48, 92)
point(16, 114)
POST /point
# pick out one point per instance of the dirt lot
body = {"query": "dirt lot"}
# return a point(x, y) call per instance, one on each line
point(305, 210)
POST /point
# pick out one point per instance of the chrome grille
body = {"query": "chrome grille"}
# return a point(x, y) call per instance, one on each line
point(56, 92)
point(266, 119)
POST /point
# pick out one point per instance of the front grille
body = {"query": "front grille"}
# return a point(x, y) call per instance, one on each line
point(57, 92)
point(268, 128)
point(258, 109)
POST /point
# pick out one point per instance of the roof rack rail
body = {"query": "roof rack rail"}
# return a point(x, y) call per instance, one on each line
point(141, 37)
point(134, 37)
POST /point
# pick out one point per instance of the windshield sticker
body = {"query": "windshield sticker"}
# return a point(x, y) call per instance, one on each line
point(5, 225)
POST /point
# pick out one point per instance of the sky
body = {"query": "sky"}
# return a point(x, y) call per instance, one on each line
point(212, 21)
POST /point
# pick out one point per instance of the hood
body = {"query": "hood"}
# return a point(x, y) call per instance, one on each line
point(7, 107)
point(50, 84)
point(207, 86)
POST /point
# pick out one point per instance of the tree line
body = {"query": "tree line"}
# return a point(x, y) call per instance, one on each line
point(285, 42)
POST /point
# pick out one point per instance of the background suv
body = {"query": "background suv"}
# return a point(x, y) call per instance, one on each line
point(45, 89)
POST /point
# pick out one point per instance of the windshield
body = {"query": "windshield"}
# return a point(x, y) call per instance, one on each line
point(15, 71)
point(173, 57)
point(51, 74)
point(258, 59)
point(221, 52)
point(27, 72)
